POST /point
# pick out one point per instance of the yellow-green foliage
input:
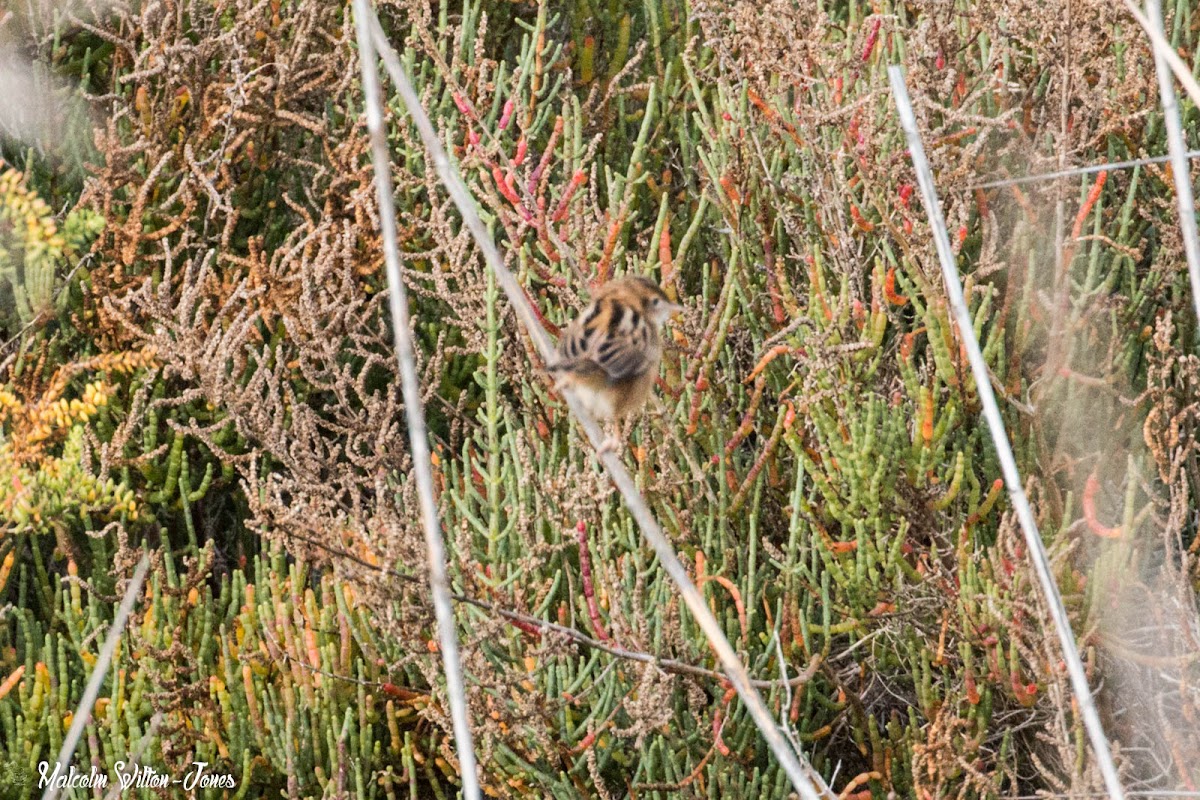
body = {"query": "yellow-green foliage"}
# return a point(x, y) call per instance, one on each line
point(264, 714)
point(47, 479)
point(60, 492)
point(34, 246)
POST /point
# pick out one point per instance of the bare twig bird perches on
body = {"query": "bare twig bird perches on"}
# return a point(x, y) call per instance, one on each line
point(610, 353)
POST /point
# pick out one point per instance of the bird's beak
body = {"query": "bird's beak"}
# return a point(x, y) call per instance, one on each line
point(664, 311)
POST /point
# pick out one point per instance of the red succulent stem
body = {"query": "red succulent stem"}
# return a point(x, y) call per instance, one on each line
point(872, 37)
point(589, 589)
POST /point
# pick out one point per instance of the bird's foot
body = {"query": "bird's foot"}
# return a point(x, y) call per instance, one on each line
point(611, 445)
point(615, 438)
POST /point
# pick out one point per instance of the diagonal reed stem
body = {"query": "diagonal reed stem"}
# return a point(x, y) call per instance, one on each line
point(1162, 48)
point(1180, 169)
point(1008, 464)
point(84, 712)
point(414, 412)
point(803, 777)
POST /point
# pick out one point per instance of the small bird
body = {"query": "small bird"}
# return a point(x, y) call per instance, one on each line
point(610, 353)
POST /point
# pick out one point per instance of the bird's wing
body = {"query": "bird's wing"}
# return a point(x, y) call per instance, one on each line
point(590, 345)
point(622, 357)
point(574, 345)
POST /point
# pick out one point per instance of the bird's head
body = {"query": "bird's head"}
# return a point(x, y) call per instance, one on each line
point(652, 300)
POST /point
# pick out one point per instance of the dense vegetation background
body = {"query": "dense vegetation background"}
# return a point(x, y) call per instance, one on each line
point(196, 361)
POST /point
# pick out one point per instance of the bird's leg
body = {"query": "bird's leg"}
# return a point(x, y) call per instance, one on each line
point(616, 437)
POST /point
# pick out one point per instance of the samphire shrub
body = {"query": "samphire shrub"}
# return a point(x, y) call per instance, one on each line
point(214, 382)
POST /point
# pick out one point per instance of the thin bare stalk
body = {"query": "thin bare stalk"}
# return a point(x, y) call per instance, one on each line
point(526, 622)
point(83, 712)
point(135, 757)
point(1163, 48)
point(1069, 173)
point(1179, 166)
point(414, 412)
point(803, 777)
point(1008, 464)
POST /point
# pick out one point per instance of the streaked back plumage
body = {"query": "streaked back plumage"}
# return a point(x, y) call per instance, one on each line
point(610, 353)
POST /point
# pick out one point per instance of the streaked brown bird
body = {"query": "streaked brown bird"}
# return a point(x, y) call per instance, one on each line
point(610, 353)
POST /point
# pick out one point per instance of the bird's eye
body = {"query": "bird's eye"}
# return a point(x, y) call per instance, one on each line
point(655, 302)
